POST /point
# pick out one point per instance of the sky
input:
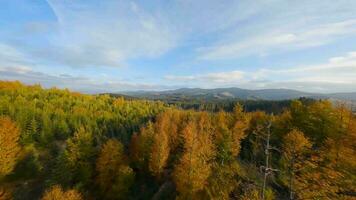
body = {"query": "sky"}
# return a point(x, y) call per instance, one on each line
point(97, 46)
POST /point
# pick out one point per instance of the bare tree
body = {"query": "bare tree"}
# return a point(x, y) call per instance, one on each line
point(267, 169)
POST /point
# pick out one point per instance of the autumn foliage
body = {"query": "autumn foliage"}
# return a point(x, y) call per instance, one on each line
point(160, 147)
point(56, 144)
point(57, 193)
point(9, 146)
point(114, 175)
point(194, 167)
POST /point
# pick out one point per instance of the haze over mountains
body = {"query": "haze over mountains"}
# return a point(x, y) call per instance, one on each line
point(236, 93)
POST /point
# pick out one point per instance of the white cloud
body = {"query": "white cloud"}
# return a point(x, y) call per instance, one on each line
point(335, 75)
point(281, 25)
point(111, 32)
point(115, 32)
point(337, 70)
point(335, 66)
point(78, 83)
point(281, 40)
point(10, 55)
point(103, 33)
point(221, 77)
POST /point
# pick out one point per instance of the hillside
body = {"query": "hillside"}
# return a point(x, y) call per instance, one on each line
point(235, 93)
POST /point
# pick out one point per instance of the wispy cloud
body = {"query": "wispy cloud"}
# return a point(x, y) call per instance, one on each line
point(159, 39)
point(10, 55)
point(76, 83)
point(336, 74)
point(221, 77)
point(104, 33)
point(283, 26)
point(270, 42)
point(342, 68)
point(109, 33)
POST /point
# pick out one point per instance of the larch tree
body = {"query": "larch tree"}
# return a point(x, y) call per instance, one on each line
point(80, 153)
point(222, 138)
point(339, 154)
point(5, 193)
point(253, 146)
point(229, 130)
point(174, 117)
point(9, 146)
point(227, 137)
point(295, 148)
point(115, 177)
point(254, 194)
point(194, 167)
point(222, 181)
point(324, 175)
point(239, 126)
point(160, 148)
point(140, 146)
point(57, 193)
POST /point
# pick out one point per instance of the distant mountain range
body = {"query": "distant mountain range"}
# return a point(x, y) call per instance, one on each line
point(235, 93)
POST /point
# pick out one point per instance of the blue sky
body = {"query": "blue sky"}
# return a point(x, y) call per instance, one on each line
point(115, 45)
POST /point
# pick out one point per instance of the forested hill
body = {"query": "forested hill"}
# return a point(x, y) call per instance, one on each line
point(235, 93)
point(216, 105)
point(60, 145)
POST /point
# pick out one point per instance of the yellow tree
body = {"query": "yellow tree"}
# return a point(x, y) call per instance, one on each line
point(222, 181)
point(240, 124)
point(115, 177)
point(173, 118)
point(254, 194)
point(57, 193)
point(229, 131)
point(295, 147)
point(160, 148)
point(80, 153)
point(194, 167)
point(9, 146)
point(328, 173)
point(227, 136)
point(222, 138)
point(5, 193)
point(140, 146)
point(339, 154)
point(256, 134)
point(315, 180)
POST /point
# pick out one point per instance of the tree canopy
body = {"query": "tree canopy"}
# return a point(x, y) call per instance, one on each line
point(58, 144)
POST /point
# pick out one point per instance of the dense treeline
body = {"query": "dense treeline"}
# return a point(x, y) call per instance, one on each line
point(216, 105)
point(61, 133)
point(56, 144)
point(268, 106)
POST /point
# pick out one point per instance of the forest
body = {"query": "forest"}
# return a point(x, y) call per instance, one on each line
point(57, 144)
